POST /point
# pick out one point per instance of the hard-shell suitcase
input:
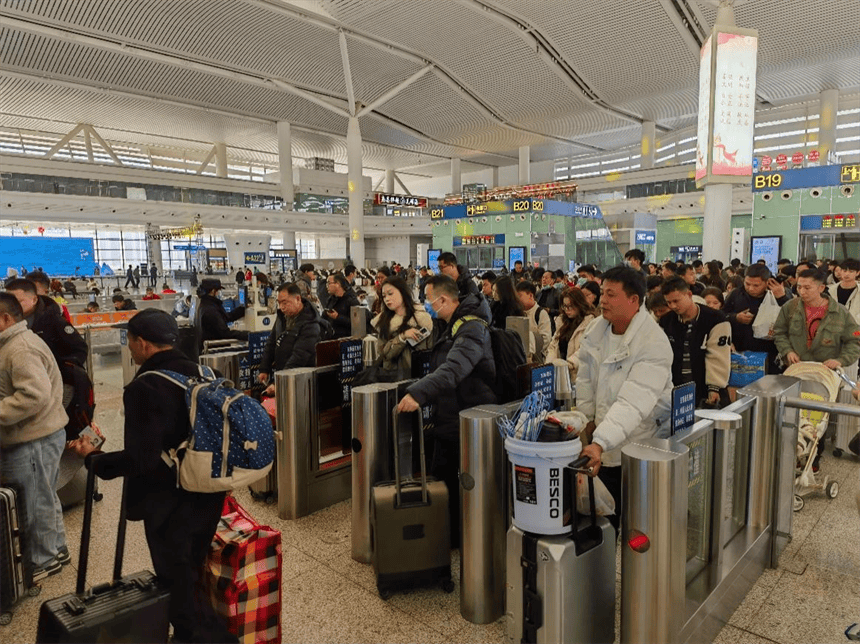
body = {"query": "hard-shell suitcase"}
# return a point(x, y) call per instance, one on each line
point(562, 588)
point(16, 579)
point(410, 529)
point(131, 608)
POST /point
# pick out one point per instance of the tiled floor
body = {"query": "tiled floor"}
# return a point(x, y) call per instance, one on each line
point(812, 596)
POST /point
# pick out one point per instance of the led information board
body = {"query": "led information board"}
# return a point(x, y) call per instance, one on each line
point(57, 255)
point(766, 248)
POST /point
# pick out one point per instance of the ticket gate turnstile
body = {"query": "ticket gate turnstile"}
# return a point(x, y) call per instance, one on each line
point(371, 455)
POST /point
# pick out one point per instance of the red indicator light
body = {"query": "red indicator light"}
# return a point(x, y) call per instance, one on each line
point(638, 542)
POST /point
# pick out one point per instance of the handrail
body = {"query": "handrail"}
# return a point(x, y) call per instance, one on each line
point(828, 407)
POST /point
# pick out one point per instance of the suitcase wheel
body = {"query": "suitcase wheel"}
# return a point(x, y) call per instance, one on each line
point(384, 593)
point(98, 496)
point(33, 591)
point(837, 452)
point(5, 619)
point(448, 585)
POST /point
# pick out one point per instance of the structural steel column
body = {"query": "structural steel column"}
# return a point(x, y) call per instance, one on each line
point(389, 182)
point(221, 160)
point(828, 106)
point(285, 162)
point(356, 195)
point(525, 162)
point(289, 239)
point(648, 144)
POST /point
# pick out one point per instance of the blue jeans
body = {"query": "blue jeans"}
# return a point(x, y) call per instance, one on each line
point(33, 468)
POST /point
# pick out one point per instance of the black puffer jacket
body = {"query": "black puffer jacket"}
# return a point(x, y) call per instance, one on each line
point(343, 305)
point(62, 338)
point(213, 319)
point(461, 368)
point(293, 348)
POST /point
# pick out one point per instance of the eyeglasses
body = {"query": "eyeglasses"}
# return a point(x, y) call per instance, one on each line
point(568, 307)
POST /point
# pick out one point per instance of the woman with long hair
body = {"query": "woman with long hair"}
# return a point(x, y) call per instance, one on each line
point(507, 302)
point(576, 314)
point(399, 322)
point(712, 275)
point(591, 291)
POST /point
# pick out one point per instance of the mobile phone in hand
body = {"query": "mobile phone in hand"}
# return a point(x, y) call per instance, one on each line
point(424, 333)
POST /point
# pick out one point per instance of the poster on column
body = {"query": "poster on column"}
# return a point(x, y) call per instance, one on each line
point(734, 104)
point(702, 146)
point(766, 248)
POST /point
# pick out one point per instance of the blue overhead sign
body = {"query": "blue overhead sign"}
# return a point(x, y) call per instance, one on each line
point(646, 237)
point(516, 207)
point(814, 177)
point(256, 257)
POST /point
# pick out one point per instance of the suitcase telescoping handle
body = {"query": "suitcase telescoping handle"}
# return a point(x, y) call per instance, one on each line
point(87, 530)
point(395, 431)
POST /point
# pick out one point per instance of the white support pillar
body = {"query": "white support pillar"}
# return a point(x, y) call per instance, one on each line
point(356, 194)
point(648, 144)
point(495, 177)
point(289, 239)
point(828, 106)
point(389, 182)
point(717, 225)
point(153, 247)
point(456, 178)
point(221, 160)
point(525, 165)
point(285, 162)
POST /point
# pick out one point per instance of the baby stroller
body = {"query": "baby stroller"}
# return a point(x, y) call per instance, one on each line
point(821, 384)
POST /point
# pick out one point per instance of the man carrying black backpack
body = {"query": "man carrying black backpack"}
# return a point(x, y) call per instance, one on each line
point(462, 370)
point(179, 524)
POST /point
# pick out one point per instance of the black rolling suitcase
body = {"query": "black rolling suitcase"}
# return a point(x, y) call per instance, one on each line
point(16, 578)
point(128, 609)
point(410, 528)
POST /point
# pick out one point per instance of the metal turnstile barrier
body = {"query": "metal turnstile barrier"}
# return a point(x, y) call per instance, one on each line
point(714, 527)
point(653, 539)
point(371, 456)
point(313, 459)
point(484, 513)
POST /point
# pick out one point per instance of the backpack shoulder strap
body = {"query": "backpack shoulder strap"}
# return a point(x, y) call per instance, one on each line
point(176, 378)
point(464, 319)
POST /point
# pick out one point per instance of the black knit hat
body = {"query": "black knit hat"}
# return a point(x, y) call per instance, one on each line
point(154, 325)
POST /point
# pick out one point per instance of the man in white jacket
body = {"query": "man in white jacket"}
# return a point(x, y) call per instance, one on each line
point(624, 382)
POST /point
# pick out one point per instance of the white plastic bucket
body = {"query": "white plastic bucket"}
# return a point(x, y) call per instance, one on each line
point(537, 472)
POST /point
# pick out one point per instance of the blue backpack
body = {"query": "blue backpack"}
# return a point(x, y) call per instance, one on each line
point(231, 443)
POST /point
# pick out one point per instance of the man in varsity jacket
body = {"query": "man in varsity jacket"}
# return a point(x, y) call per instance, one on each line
point(701, 339)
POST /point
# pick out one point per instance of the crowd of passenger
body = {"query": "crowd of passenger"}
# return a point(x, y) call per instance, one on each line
point(627, 335)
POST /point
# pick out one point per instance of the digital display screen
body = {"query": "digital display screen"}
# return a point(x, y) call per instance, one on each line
point(433, 259)
point(516, 254)
point(766, 248)
point(243, 296)
point(56, 255)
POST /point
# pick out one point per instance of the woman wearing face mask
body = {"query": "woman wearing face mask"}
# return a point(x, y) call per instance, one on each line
point(576, 314)
point(398, 325)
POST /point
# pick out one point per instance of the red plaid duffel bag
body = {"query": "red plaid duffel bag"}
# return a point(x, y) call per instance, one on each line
point(243, 575)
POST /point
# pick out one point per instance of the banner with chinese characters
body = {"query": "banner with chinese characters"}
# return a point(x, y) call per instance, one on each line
point(727, 81)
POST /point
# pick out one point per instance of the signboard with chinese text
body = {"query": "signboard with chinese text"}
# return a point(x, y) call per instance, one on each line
point(683, 407)
point(727, 80)
point(380, 199)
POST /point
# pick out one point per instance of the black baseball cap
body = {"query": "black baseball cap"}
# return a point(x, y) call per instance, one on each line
point(154, 325)
point(210, 283)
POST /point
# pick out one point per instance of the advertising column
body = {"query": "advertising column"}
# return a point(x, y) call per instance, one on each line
point(725, 128)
